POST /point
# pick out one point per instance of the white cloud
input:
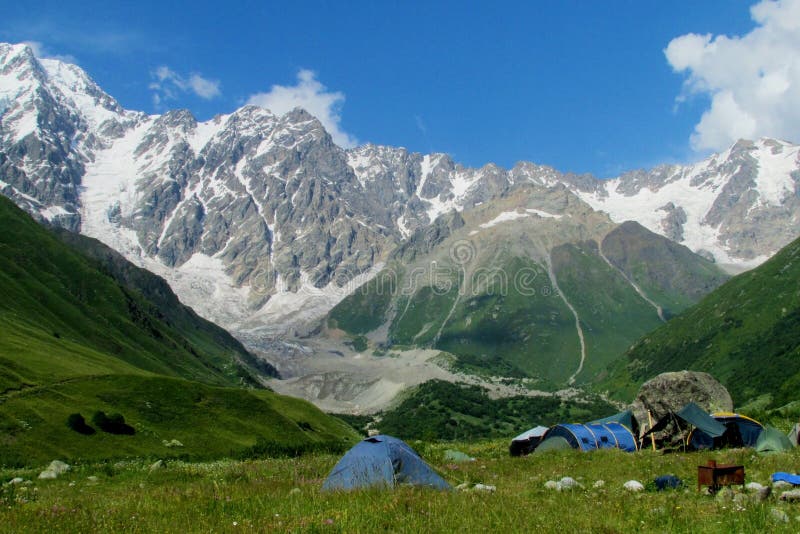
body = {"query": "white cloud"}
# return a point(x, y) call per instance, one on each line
point(312, 96)
point(168, 84)
point(42, 52)
point(753, 80)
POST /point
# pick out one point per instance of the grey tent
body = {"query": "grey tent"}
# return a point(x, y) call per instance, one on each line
point(794, 434)
point(553, 443)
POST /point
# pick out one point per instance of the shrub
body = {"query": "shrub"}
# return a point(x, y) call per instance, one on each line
point(113, 424)
point(76, 422)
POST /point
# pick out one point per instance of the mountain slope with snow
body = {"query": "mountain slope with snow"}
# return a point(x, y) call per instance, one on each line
point(262, 223)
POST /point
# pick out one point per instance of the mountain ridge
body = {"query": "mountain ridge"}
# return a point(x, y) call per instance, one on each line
point(262, 224)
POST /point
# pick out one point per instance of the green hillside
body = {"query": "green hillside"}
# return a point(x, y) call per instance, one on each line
point(82, 331)
point(64, 314)
point(442, 410)
point(511, 310)
point(205, 421)
point(746, 333)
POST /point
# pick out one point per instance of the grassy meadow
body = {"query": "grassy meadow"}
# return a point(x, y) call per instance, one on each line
point(283, 495)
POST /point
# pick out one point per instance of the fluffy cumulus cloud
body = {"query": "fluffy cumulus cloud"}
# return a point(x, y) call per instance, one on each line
point(753, 80)
point(312, 96)
point(168, 84)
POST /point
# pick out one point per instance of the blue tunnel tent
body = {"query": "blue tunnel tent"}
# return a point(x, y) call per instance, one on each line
point(739, 431)
point(382, 461)
point(592, 436)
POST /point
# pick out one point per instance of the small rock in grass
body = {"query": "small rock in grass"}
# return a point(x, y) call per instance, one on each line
point(754, 486)
point(791, 495)
point(552, 484)
point(16, 480)
point(724, 495)
point(567, 483)
point(779, 515)
point(781, 484)
point(72, 484)
point(160, 464)
point(295, 491)
point(599, 484)
point(633, 485)
point(464, 486)
point(48, 475)
point(741, 500)
point(484, 487)
point(92, 478)
point(763, 494)
point(58, 467)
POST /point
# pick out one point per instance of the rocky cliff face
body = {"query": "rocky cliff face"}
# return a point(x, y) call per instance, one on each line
point(739, 207)
point(259, 220)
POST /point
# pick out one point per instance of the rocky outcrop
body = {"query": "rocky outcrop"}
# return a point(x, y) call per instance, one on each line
point(669, 392)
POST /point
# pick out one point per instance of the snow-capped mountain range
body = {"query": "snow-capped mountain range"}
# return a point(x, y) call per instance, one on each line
point(261, 221)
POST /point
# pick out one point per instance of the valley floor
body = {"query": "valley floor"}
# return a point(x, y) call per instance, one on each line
point(283, 495)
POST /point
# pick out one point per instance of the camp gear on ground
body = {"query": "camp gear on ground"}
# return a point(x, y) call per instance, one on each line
point(786, 477)
point(716, 475)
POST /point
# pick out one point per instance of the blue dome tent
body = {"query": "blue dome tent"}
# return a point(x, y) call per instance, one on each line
point(594, 436)
point(382, 461)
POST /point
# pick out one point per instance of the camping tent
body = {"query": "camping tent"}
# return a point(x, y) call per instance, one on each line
point(526, 442)
point(625, 418)
point(593, 436)
point(672, 429)
point(553, 443)
point(739, 431)
point(793, 435)
point(382, 461)
point(772, 440)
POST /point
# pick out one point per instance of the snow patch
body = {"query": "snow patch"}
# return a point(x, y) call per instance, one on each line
point(543, 214)
point(774, 180)
point(506, 216)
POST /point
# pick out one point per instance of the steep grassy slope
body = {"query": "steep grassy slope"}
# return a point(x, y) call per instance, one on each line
point(608, 317)
point(214, 341)
point(63, 314)
point(514, 298)
point(669, 273)
point(208, 422)
point(87, 332)
point(746, 333)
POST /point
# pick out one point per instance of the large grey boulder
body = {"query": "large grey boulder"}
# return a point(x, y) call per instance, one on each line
point(669, 392)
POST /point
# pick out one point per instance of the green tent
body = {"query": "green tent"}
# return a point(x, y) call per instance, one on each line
point(553, 443)
point(695, 415)
point(624, 418)
point(773, 440)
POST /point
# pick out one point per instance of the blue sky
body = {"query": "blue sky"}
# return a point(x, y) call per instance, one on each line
point(583, 86)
